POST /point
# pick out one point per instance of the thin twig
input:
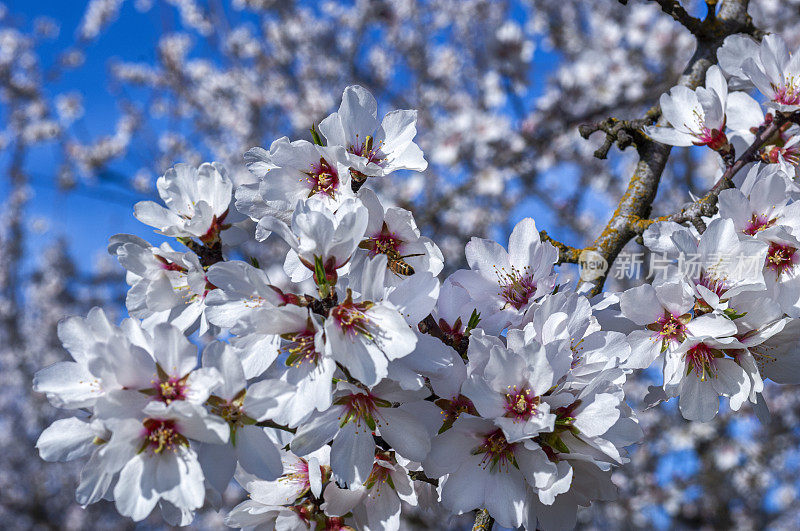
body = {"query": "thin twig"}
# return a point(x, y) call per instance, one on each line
point(624, 133)
point(706, 206)
point(419, 475)
point(633, 212)
point(566, 253)
point(483, 521)
point(674, 9)
point(273, 424)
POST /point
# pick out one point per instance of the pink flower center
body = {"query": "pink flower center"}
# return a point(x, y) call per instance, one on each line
point(455, 333)
point(498, 452)
point(162, 435)
point(170, 266)
point(171, 389)
point(300, 347)
point(306, 511)
point(335, 523)
point(517, 287)
point(717, 285)
point(385, 242)
point(788, 94)
point(700, 359)
point(351, 319)
point(368, 150)
point(452, 409)
point(669, 327)
point(209, 287)
point(781, 258)
point(360, 407)
point(297, 475)
point(521, 404)
point(713, 138)
point(322, 179)
point(380, 474)
point(773, 154)
point(757, 223)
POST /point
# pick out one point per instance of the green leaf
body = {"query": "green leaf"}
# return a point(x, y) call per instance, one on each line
point(474, 319)
point(732, 314)
point(315, 136)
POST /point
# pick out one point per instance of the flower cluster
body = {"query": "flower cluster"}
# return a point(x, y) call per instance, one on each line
point(718, 328)
point(352, 384)
point(728, 122)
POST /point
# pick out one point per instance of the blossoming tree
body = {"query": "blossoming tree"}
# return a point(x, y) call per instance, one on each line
point(357, 383)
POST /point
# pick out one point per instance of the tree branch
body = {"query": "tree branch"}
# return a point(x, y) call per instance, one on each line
point(624, 132)
point(633, 211)
point(706, 206)
point(483, 521)
point(674, 9)
point(566, 253)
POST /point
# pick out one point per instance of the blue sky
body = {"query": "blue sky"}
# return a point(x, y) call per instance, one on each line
point(87, 215)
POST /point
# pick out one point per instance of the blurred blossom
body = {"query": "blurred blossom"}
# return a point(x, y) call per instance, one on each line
point(46, 28)
point(69, 107)
point(143, 181)
point(98, 14)
point(40, 225)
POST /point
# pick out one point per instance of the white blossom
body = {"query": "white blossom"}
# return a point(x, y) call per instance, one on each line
point(695, 116)
point(375, 148)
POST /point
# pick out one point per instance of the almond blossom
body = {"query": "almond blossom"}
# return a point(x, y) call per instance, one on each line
point(319, 238)
point(127, 370)
point(504, 284)
point(241, 406)
point(510, 386)
point(376, 504)
point(198, 202)
point(480, 463)
point(696, 117)
point(664, 310)
point(365, 332)
point(156, 462)
point(723, 264)
point(774, 71)
point(746, 117)
point(375, 148)
point(393, 232)
point(282, 500)
point(766, 206)
point(699, 372)
point(542, 417)
point(349, 423)
point(290, 172)
point(165, 284)
point(305, 363)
